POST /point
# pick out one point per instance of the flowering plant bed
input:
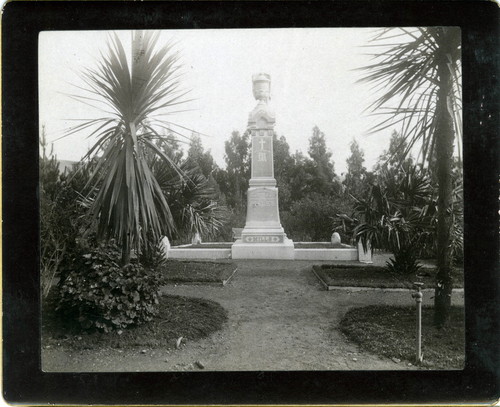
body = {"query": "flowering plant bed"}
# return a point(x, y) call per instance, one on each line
point(377, 277)
point(197, 272)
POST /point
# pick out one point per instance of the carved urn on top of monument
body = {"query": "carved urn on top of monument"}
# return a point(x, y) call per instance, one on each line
point(261, 86)
point(263, 236)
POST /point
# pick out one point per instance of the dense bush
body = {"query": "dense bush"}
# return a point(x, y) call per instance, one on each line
point(311, 218)
point(101, 295)
point(63, 217)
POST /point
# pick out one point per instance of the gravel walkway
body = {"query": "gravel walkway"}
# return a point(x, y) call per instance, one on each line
point(280, 318)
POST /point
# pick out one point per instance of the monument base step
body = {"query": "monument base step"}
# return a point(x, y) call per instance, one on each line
point(274, 251)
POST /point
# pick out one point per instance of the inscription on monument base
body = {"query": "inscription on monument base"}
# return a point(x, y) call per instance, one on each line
point(263, 206)
point(263, 239)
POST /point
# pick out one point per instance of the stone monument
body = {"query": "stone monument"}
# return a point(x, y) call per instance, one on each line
point(263, 236)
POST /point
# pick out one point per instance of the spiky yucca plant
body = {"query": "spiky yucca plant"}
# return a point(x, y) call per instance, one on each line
point(129, 205)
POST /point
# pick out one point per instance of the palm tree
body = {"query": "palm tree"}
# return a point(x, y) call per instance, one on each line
point(129, 205)
point(418, 72)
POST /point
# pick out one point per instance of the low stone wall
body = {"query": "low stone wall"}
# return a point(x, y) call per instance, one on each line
point(328, 254)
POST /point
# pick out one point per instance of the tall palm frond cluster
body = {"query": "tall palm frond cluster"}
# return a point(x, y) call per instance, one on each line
point(133, 90)
point(417, 75)
point(407, 74)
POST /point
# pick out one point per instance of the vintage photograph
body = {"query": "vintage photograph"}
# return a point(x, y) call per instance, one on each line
point(285, 199)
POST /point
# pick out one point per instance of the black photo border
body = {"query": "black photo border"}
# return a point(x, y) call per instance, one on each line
point(23, 379)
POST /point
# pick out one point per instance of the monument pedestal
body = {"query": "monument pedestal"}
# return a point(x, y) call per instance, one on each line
point(263, 237)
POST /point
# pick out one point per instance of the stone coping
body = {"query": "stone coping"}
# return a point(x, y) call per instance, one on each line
point(297, 246)
point(301, 251)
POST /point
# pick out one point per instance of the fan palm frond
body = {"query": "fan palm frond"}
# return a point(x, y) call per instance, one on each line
point(406, 76)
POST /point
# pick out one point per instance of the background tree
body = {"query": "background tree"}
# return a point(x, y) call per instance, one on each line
point(170, 145)
point(397, 155)
point(300, 176)
point(237, 159)
point(421, 75)
point(197, 154)
point(356, 172)
point(321, 167)
point(283, 163)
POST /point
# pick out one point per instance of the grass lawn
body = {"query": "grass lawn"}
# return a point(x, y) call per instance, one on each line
point(191, 318)
point(178, 272)
point(390, 331)
point(379, 277)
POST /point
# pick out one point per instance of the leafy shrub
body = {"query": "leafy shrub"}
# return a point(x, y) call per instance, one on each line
point(99, 294)
point(404, 262)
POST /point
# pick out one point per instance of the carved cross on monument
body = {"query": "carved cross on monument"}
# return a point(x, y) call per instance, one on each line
point(262, 144)
point(263, 237)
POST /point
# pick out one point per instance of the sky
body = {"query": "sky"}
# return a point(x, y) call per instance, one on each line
point(313, 83)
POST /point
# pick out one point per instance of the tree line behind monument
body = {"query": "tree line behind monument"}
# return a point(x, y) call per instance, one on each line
point(314, 200)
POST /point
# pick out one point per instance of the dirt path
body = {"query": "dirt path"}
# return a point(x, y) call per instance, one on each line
point(279, 319)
